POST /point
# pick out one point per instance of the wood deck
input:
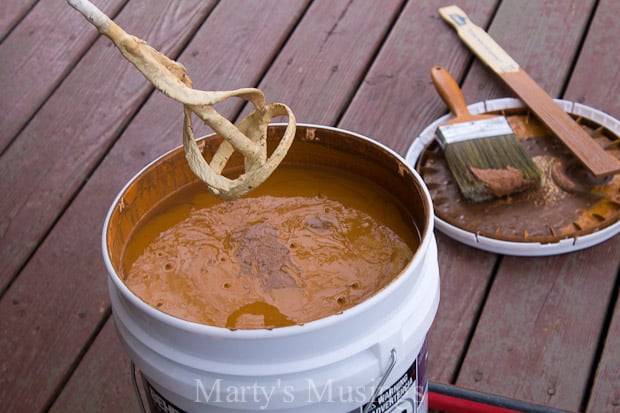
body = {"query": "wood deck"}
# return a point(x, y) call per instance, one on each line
point(77, 121)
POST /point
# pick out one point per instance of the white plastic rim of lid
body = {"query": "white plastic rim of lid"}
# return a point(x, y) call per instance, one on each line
point(526, 249)
point(356, 343)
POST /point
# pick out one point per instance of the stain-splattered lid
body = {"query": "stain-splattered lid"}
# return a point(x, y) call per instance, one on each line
point(571, 210)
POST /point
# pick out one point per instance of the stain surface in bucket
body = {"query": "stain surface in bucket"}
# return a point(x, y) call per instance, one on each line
point(307, 244)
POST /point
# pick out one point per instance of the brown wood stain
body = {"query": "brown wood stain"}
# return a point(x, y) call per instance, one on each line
point(307, 244)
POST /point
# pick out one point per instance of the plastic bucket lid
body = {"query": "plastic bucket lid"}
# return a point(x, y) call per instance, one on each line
point(522, 248)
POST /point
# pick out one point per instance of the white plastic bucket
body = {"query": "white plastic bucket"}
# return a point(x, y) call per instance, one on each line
point(375, 350)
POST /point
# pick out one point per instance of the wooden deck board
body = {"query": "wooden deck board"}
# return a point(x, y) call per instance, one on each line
point(605, 395)
point(534, 33)
point(595, 62)
point(54, 154)
point(102, 382)
point(359, 65)
point(596, 78)
point(52, 288)
point(330, 50)
point(37, 56)
point(155, 130)
point(543, 341)
point(384, 109)
point(386, 105)
point(543, 349)
point(11, 12)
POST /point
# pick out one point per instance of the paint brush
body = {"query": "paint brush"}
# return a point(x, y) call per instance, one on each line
point(565, 128)
point(485, 157)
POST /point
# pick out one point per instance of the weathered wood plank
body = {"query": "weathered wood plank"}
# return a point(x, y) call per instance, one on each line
point(603, 94)
point(52, 308)
point(318, 72)
point(11, 12)
point(103, 381)
point(540, 327)
point(36, 57)
point(543, 37)
point(462, 294)
point(397, 100)
point(42, 337)
point(605, 396)
point(52, 156)
point(542, 347)
point(60, 298)
point(393, 105)
point(596, 78)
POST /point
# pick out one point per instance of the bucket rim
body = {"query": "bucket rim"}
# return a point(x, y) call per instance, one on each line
point(426, 238)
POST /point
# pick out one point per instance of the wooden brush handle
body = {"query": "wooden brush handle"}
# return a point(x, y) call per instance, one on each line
point(594, 157)
point(450, 92)
point(479, 41)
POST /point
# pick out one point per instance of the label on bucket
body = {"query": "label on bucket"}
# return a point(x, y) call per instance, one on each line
point(159, 404)
point(407, 394)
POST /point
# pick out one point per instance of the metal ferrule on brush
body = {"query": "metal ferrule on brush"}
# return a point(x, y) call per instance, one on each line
point(486, 128)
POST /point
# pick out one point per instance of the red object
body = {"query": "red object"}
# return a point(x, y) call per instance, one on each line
point(450, 404)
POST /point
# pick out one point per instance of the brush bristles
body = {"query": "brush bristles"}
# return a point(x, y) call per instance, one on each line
point(494, 153)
